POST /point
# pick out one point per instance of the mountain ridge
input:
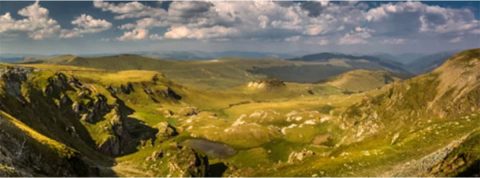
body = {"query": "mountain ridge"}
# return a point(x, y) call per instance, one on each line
point(325, 56)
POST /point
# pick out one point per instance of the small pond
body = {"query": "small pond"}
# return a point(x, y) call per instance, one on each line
point(210, 148)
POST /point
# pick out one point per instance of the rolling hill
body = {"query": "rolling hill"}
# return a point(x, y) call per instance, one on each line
point(323, 66)
point(201, 55)
point(223, 72)
point(117, 62)
point(232, 72)
point(356, 61)
point(363, 80)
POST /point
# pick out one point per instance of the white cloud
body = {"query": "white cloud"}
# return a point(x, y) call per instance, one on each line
point(37, 23)
point(147, 22)
point(182, 32)
point(156, 37)
point(456, 40)
point(129, 10)
point(414, 17)
point(394, 41)
point(313, 30)
point(358, 36)
point(442, 20)
point(136, 34)
point(324, 2)
point(476, 31)
point(86, 24)
point(264, 21)
point(336, 23)
point(323, 42)
point(293, 39)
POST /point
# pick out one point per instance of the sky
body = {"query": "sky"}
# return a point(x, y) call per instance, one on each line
point(96, 27)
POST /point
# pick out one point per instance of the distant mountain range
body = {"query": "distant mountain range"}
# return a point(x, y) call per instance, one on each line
point(202, 55)
point(403, 58)
point(324, 66)
point(428, 63)
point(412, 63)
point(353, 60)
point(171, 55)
point(13, 58)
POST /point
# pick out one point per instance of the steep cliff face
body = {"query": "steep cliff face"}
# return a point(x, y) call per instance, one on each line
point(55, 124)
point(25, 152)
point(126, 133)
point(13, 78)
point(30, 140)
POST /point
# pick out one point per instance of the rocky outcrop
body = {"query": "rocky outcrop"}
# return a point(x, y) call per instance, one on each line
point(94, 110)
point(13, 78)
point(430, 164)
point(179, 161)
point(300, 156)
point(120, 142)
point(449, 165)
point(75, 83)
point(169, 93)
point(323, 139)
point(65, 109)
point(188, 111)
point(266, 84)
point(186, 162)
point(126, 133)
point(127, 89)
point(165, 131)
point(56, 85)
point(463, 161)
point(156, 95)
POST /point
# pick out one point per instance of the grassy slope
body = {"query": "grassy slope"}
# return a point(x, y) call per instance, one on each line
point(397, 107)
point(214, 102)
point(55, 146)
point(27, 152)
point(362, 80)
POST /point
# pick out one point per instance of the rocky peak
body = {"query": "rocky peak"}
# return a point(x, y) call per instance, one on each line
point(56, 85)
point(75, 82)
point(167, 93)
point(100, 105)
point(96, 109)
point(117, 143)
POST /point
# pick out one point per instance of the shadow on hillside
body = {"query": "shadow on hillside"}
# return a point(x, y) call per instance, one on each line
point(217, 170)
point(471, 171)
point(137, 130)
